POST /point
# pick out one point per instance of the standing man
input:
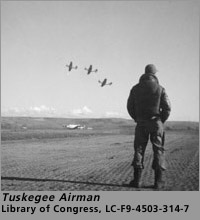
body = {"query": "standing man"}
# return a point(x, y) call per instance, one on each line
point(149, 105)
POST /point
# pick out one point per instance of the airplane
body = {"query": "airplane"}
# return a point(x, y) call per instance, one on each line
point(74, 126)
point(70, 66)
point(89, 70)
point(103, 83)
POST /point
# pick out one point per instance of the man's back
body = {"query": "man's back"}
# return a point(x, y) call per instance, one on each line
point(148, 99)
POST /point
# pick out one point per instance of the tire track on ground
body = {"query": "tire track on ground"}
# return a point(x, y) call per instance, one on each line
point(97, 163)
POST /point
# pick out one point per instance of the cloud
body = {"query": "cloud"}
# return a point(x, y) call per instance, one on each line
point(112, 114)
point(45, 111)
point(41, 111)
point(85, 111)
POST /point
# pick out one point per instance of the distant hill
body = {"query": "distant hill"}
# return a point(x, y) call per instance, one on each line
point(96, 123)
point(15, 128)
point(57, 123)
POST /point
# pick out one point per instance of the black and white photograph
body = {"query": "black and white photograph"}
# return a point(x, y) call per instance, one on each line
point(99, 96)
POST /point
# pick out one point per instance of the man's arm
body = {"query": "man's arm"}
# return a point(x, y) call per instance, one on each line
point(130, 105)
point(165, 106)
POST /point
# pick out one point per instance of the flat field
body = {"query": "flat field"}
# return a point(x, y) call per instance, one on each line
point(40, 154)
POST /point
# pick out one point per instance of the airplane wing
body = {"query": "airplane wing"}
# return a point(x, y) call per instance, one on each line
point(72, 126)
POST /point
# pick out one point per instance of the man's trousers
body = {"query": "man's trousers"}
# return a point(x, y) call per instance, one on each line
point(154, 130)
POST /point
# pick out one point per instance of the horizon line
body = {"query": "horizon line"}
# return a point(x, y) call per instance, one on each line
point(103, 117)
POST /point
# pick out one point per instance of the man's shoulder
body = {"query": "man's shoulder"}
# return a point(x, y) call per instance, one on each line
point(162, 88)
point(135, 87)
point(147, 77)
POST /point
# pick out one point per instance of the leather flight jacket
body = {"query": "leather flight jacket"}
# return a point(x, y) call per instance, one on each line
point(148, 100)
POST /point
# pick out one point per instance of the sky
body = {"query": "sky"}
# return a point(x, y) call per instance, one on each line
point(119, 38)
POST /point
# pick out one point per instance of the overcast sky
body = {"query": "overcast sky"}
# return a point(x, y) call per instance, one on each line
point(119, 38)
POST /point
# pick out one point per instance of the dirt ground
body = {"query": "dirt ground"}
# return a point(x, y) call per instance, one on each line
point(97, 163)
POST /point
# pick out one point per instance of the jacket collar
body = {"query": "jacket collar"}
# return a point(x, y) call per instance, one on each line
point(148, 76)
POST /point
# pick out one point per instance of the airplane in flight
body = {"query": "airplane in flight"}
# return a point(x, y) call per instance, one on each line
point(104, 83)
point(70, 66)
point(89, 70)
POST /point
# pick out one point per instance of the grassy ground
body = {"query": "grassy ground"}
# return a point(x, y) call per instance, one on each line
point(45, 156)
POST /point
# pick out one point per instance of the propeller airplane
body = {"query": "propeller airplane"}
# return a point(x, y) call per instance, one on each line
point(70, 66)
point(104, 83)
point(89, 70)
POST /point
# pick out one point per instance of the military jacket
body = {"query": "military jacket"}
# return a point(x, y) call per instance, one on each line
point(148, 100)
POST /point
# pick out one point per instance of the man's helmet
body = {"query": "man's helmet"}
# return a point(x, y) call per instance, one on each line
point(150, 68)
